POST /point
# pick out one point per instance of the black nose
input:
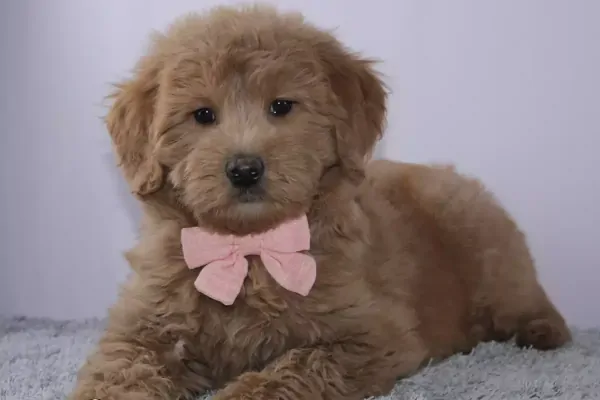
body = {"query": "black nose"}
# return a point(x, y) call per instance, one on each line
point(244, 171)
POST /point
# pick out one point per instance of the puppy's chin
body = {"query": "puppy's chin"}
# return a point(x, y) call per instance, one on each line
point(251, 211)
point(248, 214)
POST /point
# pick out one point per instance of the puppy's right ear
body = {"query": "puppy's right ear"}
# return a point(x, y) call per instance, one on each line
point(129, 122)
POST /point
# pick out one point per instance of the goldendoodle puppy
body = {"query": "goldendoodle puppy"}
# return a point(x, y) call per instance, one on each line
point(275, 261)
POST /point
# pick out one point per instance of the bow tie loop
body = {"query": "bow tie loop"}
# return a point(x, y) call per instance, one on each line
point(289, 237)
point(201, 247)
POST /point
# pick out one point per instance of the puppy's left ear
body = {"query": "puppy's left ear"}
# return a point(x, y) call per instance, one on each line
point(130, 124)
point(361, 98)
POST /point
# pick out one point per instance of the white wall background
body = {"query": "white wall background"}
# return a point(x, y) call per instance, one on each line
point(508, 90)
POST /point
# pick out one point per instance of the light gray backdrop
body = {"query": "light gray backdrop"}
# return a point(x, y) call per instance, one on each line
point(509, 90)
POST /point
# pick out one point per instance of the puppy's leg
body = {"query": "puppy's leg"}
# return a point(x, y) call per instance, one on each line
point(519, 303)
point(510, 285)
point(138, 363)
point(504, 271)
point(351, 369)
point(535, 320)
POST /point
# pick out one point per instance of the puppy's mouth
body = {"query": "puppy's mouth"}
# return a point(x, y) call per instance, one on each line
point(253, 194)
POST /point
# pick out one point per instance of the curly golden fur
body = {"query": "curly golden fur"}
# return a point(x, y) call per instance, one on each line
point(414, 262)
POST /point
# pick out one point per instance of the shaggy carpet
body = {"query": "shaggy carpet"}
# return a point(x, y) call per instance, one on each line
point(39, 359)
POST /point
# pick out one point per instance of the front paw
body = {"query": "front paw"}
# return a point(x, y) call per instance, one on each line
point(111, 394)
point(258, 386)
point(246, 387)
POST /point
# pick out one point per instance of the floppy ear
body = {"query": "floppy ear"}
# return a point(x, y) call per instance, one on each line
point(129, 122)
point(362, 96)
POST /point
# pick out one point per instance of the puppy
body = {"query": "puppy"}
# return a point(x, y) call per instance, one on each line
point(274, 261)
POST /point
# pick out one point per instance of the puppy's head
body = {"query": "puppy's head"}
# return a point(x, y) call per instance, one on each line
point(240, 112)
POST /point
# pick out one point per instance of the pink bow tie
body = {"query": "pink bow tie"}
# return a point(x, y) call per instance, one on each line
point(225, 265)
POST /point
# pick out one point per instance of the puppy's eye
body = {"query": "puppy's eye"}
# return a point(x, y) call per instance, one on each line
point(205, 116)
point(281, 107)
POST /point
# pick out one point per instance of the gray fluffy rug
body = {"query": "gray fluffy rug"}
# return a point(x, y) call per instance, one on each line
point(39, 359)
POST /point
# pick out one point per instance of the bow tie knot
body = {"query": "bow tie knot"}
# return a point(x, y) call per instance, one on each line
point(225, 266)
point(248, 245)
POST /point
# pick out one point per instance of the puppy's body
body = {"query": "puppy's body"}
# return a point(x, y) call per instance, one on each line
point(413, 262)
